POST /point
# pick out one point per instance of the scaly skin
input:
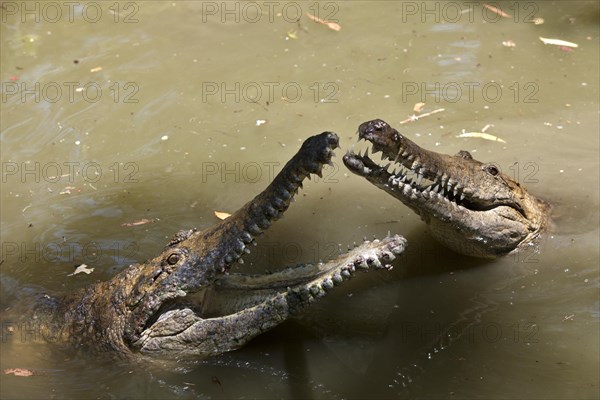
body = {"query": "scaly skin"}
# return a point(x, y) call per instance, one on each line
point(469, 206)
point(183, 303)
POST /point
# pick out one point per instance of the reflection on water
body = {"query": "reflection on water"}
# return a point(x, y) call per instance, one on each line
point(183, 110)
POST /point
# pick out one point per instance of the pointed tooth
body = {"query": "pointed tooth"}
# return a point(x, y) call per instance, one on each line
point(455, 191)
point(419, 179)
point(246, 237)
point(270, 211)
point(254, 229)
point(416, 164)
point(462, 196)
point(264, 223)
point(278, 203)
point(316, 291)
point(327, 284)
point(240, 261)
point(444, 180)
point(285, 194)
point(337, 278)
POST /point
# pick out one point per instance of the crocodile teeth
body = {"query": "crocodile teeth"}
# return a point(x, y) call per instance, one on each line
point(270, 211)
point(246, 237)
point(264, 223)
point(278, 203)
point(359, 262)
point(374, 262)
point(285, 195)
point(327, 284)
point(295, 178)
point(337, 278)
point(387, 256)
point(254, 229)
point(345, 273)
point(416, 164)
point(316, 291)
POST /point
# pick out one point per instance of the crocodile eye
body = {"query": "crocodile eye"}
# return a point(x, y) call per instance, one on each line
point(492, 169)
point(173, 259)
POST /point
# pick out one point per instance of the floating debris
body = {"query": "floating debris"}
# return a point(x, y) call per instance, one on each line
point(18, 372)
point(82, 269)
point(418, 117)
point(418, 107)
point(558, 42)
point(480, 135)
point(497, 11)
point(222, 215)
point(330, 24)
point(142, 221)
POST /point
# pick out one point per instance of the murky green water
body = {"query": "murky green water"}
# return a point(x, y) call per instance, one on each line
point(89, 95)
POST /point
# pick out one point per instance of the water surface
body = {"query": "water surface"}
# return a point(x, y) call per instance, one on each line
point(168, 111)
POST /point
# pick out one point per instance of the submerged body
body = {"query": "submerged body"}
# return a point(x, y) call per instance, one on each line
point(470, 207)
point(182, 302)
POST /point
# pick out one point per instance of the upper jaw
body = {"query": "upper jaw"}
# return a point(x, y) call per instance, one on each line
point(413, 175)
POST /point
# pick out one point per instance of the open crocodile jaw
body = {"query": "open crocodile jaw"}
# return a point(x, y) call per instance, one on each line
point(469, 206)
point(163, 301)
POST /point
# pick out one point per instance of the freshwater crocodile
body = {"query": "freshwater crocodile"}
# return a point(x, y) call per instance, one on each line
point(183, 302)
point(469, 206)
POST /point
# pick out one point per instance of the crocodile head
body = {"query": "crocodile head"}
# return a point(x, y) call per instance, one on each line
point(469, 206)
point(183, 302)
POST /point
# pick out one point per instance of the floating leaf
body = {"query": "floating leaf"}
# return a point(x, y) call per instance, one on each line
point(418, 107)
point(330, 24)
point(536, 21)
point(18, 372)
point(222, 215)
point(497, 11)
point(558, 42)
point(139, 222)
point(82, 269)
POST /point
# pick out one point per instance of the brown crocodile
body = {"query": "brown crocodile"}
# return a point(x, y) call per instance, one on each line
point(469, 206)
point(183, 302)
